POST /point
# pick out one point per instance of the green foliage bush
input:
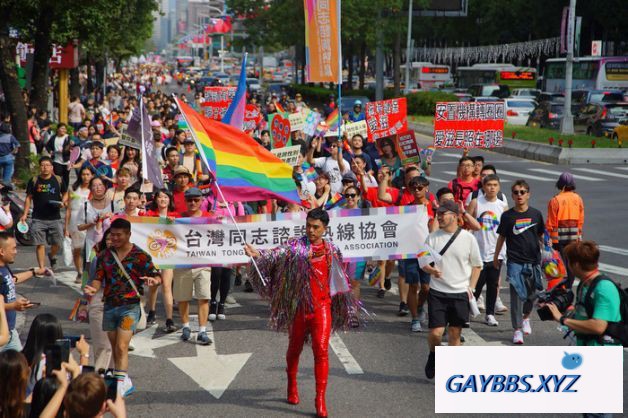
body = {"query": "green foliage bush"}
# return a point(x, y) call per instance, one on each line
point(424, 102)
point(419, 103)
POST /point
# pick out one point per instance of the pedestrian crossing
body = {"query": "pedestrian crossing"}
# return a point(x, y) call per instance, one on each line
point(585, 174)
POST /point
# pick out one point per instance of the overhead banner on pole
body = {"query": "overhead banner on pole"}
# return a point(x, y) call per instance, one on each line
point(361, 234)
point(322, 48)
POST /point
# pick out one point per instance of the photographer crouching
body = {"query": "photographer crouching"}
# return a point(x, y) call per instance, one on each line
point(597, 317)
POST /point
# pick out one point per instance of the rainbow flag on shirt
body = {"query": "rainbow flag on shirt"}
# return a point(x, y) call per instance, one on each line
point(244, 170)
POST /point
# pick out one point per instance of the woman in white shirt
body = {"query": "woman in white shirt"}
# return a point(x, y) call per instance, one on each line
point(94, 212)
point(79, 193)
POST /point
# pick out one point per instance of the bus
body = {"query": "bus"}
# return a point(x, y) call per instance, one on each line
point(590, 73)
point(426, 76)
point(500, 73)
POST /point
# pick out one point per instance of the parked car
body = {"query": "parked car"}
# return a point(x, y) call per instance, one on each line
point(347, 102)
point(546, 115)
point(546, 96)
point(495, 90)
point(585, 97)
point(620, 132)
point(253, 85)
point(518, 109)
point(529, 93)
point(600, 119)
point(487, 99)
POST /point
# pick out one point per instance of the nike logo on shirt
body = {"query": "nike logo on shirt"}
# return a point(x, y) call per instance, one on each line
point(521, 230)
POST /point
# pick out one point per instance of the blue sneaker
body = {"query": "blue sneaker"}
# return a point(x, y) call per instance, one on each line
point(203, 339)
point(125, 387)
point(185, 333)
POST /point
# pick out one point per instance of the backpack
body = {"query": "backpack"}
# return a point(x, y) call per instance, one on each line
point(500, 196)
point(458, 190)
point(617, 330)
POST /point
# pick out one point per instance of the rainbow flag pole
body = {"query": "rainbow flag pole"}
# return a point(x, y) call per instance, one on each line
point(222, 196)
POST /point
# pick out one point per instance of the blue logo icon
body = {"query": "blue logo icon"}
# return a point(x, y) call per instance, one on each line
point(572, 361)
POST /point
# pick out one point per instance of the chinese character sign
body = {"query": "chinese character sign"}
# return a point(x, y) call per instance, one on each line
point(322, 49)
point(373, 234)
point(469, 125)
point(406, 143)
point(217, 101)
point(252, 118)
point(386, 118)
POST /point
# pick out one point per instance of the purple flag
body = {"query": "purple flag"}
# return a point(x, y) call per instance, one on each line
point(140, 129)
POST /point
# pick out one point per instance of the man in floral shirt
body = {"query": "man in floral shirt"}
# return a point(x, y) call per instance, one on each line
point(122, 294)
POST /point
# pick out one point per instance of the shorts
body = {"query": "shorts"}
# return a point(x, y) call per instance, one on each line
point(124, 317)
point(43, 231)
point(410, 271)
point(447, 309)
point(191, 284)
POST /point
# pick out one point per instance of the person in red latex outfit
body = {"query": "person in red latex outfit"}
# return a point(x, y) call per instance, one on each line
point(307, 269)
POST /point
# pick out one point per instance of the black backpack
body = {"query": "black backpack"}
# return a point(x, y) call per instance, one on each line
point(617, 330)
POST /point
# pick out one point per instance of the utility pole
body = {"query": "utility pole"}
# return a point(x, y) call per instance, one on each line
point(406, 88)
point(566, 127)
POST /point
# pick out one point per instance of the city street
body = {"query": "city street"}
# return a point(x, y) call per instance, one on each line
point(375, 372)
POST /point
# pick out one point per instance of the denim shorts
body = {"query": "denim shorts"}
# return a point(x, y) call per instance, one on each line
point(410, 271)
point(123, 317)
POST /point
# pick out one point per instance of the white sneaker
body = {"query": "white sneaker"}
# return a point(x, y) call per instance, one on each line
point(500, 308)
point(212, 317)
point(416, 326)
point(131, 346)
point(517, 338)
point(230, 300)
point(481, 305)
point(527, 329)
point(491, 321)
point(125, 387)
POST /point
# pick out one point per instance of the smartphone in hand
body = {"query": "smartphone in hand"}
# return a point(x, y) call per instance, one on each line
point(65, 345)
point(53, 358)
point(111, 382)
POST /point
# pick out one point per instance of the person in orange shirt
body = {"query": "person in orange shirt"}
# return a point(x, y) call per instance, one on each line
point(565, 217)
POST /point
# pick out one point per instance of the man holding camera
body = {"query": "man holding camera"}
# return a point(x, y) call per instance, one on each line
point(598, 302)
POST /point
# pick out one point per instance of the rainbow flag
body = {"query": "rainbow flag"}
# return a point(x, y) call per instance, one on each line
point(333, 120)
point(335, 200)
point(423, 254)
point(244, 170)
point(374, 276)
point(279, 107)
point(309, 172)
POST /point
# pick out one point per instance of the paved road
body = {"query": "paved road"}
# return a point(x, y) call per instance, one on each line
point(242, 374)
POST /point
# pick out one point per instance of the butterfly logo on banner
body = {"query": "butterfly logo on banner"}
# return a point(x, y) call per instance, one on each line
point(280, 131)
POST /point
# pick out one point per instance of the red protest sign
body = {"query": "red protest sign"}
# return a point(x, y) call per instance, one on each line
point(386, 117)
point(279, 130)
point(217, 101)
point(469, 125)
point(406, 144)
point(61, 57)
point(252, 118)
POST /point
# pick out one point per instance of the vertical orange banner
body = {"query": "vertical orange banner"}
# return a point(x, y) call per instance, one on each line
point(322, 49)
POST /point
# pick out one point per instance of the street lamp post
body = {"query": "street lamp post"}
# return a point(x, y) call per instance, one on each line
point(566, 127)
point(406, 88)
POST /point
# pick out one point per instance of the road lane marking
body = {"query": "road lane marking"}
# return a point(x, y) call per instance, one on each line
point(558, 173)
point(522, 175)
point(449, 154)
point(437, 180)
point(619, 168)
point(614, 250)
point(342, 352)
point(602, 173)
point(609, 268)
point(213, 372)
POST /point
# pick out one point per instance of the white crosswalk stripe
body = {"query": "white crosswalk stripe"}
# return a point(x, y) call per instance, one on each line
point(602, 173)
point(558, 173)
point(524, 176)
point(614, 250)
point(622, 168)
